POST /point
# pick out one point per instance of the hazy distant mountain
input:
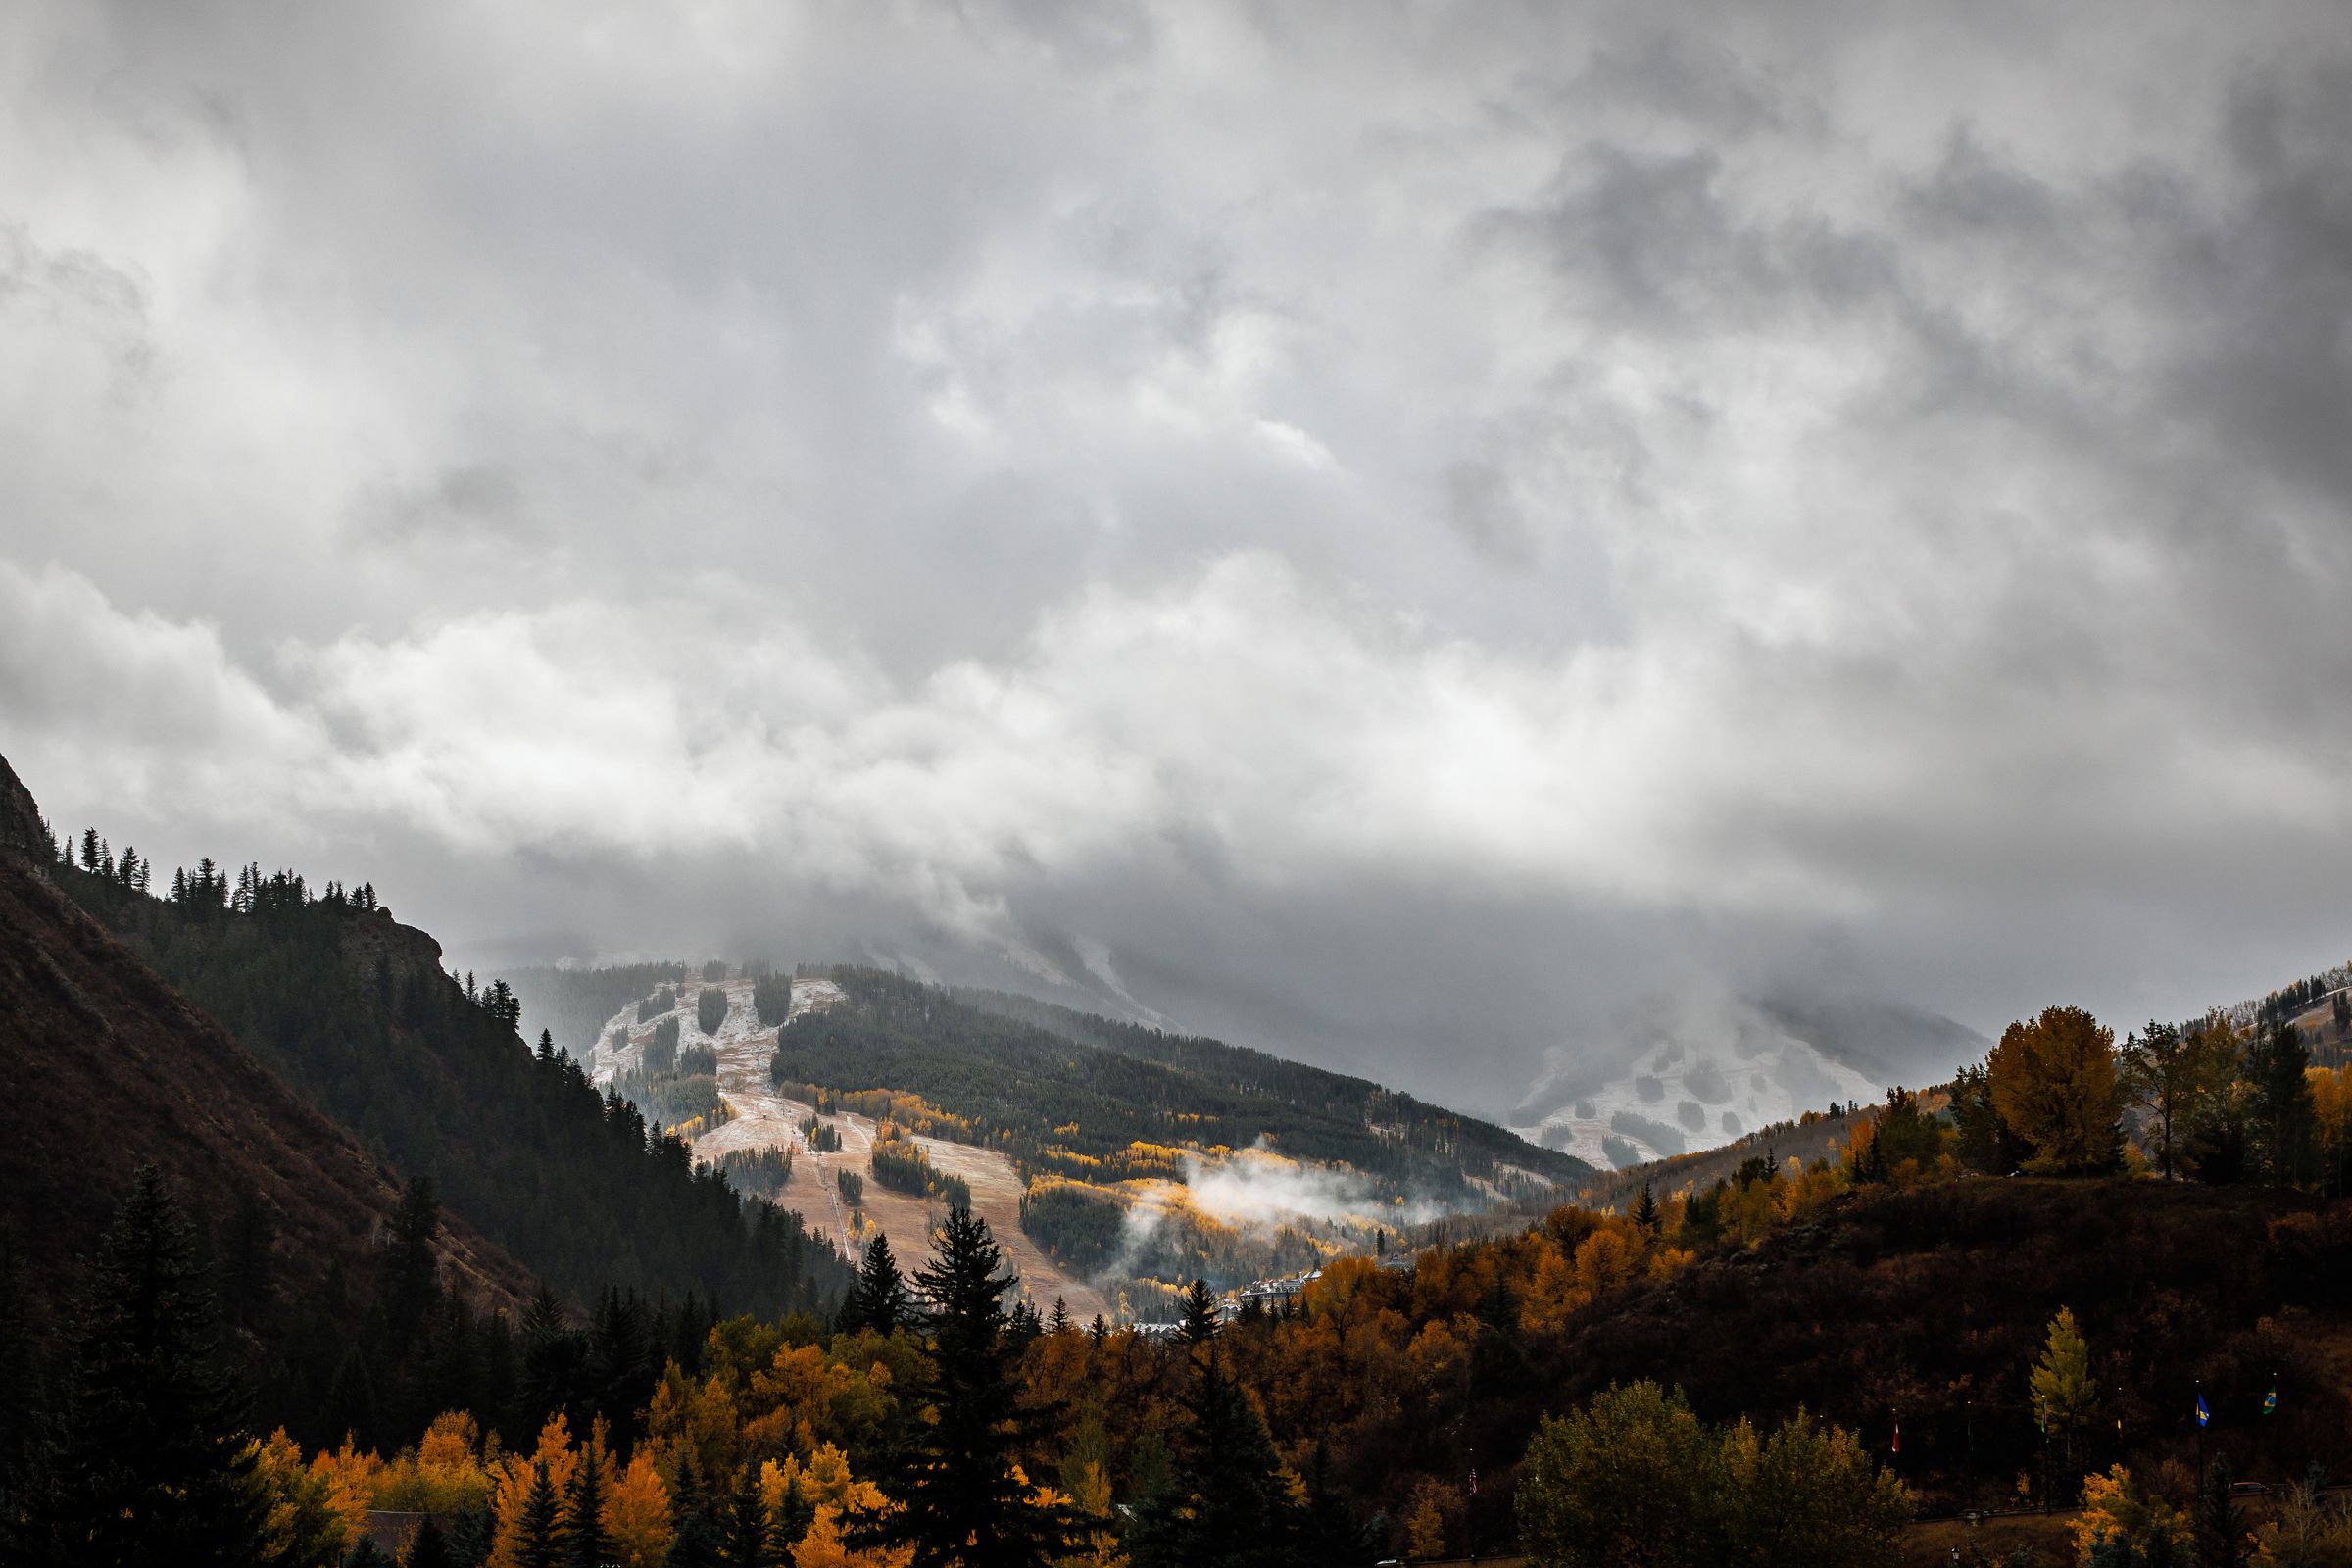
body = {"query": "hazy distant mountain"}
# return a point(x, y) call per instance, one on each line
point(1703, 1076)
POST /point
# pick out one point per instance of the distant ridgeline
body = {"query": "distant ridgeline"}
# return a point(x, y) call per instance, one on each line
point(1070, 1095)
point(352, 1011)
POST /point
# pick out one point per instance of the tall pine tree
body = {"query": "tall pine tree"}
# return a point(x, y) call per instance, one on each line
point(585, 1543)
point(1199, 1324)
point(878, 1297)
point(1225, 1502)
point(748, 1540)
point(539, 1541)
point(700, 1535)
point(965, 1503)
point(429, 1547)
point(146, 1463)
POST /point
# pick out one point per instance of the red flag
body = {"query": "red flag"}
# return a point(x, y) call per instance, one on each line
point(1896, 1447)
point(1474, 1483)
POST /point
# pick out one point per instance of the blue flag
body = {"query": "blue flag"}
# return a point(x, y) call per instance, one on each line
point(2269, 1400)
point(2203, 1415)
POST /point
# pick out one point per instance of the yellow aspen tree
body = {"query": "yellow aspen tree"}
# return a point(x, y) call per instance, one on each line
point(350, 1477)
point(2054, 1083)
point(2064, 1395)
point(637, 1515)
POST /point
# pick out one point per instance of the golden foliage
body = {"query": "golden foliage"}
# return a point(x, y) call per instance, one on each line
point(637, 1515)
point(306, 1522)
point(445, 1473)
point(2115, 1510)
point(2054, 1082)
point(350, 1478)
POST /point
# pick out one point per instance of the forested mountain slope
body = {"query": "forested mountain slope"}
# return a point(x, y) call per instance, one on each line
point(351, 1010)
point(1089, 1097)
point(107, 1067)
point(1312, 1112)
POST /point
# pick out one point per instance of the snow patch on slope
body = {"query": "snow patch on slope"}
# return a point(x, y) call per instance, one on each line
point(1678, 1097)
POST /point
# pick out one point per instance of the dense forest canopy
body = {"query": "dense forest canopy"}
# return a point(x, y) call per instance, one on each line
point(353, 1013)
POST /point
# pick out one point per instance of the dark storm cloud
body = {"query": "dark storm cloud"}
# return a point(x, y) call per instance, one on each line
point(1406, 534)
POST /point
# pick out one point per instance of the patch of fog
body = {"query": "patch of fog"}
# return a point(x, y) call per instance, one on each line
point(1256, 1191)
point(1259, 1187)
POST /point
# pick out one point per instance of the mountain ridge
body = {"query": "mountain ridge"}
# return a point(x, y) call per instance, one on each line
point(88, 1029)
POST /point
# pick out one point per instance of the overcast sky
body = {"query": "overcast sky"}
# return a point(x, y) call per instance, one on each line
point(1397, 531)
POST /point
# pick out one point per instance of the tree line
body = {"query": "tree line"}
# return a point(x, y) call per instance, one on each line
point(427, 1070)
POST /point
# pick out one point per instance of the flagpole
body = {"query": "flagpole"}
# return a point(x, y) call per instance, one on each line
point(2270, 1418)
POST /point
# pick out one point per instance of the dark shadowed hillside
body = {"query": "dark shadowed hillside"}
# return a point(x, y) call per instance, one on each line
point(1933, 1303)
point(107, 1067)
point(351, 1010)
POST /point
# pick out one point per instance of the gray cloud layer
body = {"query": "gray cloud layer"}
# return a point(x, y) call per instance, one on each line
point(1397, 531)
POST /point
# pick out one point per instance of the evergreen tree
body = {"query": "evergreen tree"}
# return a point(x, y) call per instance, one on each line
point(539, 1542)
point(965, 1505)
point(351, 1407)
point(2278, 1068)
point(878, 1297)
point(1645, 1212)
point(749, 1541)
point(1226, 1503)
point(700, 1534)
point(555, 1362)
point(429, 1547)
point(1060, 1322)
point(1330, 1533)
point(1199, 1324)
point(471, 1536)
point(1025, 1326)
point(147, 1463)
point(621, 1361)
point(585, 1543)
point(794, 1514)
point(412, 1284)
point(1987, 1141)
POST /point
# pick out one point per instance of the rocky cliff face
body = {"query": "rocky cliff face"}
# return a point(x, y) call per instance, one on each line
point(373, 940)
point(23, 832)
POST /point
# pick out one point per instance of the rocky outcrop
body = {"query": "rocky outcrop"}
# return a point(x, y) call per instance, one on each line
point(23, 832)
point(373, 942)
